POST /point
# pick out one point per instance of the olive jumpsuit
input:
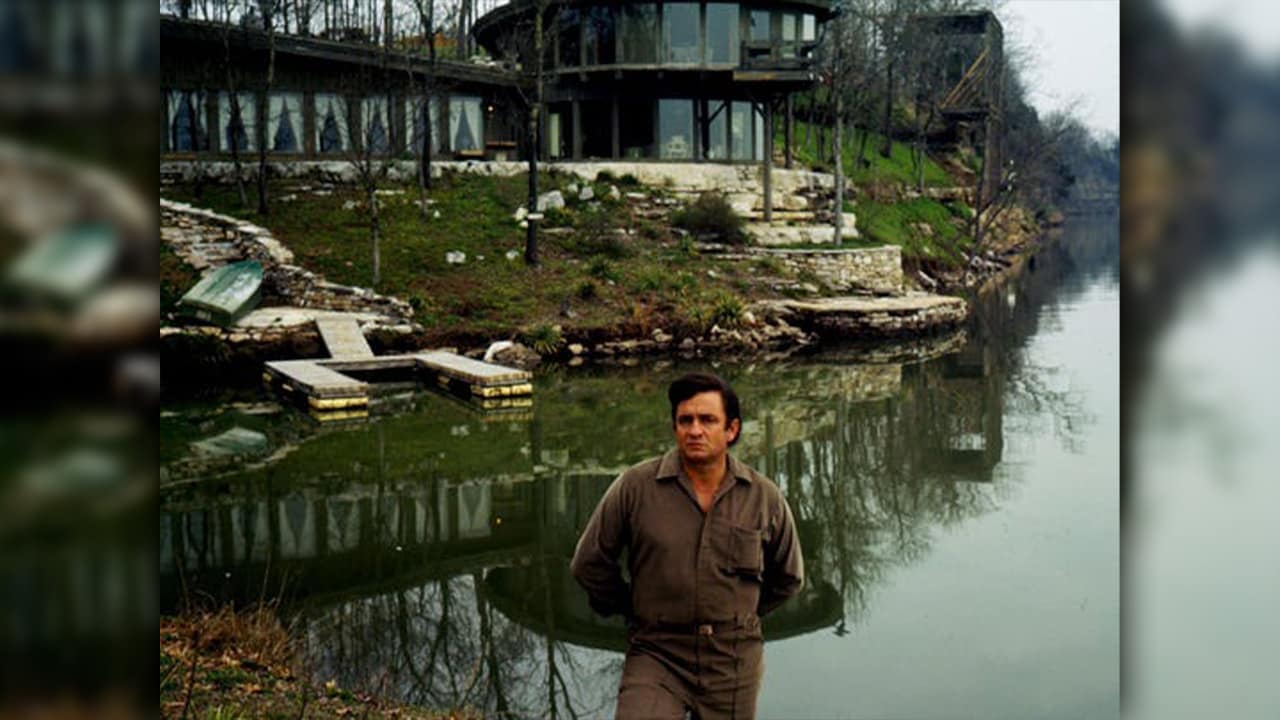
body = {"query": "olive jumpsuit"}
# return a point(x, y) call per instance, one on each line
point(700, 582)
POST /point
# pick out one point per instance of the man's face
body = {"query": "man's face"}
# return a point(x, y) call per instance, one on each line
point(702, 434)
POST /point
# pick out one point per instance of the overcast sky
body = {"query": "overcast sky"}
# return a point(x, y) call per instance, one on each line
point(1072, 51)
point(1255, 22)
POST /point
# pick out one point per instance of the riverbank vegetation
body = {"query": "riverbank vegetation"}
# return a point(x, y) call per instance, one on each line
point(233, 664)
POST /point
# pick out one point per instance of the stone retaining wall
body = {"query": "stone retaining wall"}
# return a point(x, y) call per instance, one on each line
point(204, 239)
point(875, 271)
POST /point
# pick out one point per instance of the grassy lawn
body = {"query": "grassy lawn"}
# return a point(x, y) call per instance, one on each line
point(898, 168)
point(637, 282)
point(903, 224)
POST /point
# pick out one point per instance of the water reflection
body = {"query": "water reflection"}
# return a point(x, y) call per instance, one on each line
point(425, 552)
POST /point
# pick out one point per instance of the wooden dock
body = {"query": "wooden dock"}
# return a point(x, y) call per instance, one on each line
point(343, 337)
point(328, 390)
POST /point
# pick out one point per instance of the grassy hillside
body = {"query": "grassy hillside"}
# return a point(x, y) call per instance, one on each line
point(898, 168)
point(590, 277)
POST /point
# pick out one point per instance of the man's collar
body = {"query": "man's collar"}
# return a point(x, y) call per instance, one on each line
point(669, 468)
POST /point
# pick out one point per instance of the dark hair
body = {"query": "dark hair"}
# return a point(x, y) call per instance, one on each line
point(694, 383)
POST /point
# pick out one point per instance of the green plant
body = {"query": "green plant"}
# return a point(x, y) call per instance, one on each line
point(712, 215)
point(544, 339)
point(587, 290)
point(727, 310)
point(628, 180)
point(601, 268)
point(604, 176)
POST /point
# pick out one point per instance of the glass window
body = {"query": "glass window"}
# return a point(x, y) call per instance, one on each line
point(466, 124)
point(600, 35)
point(740, 130)
point(413, 108)
point(560, 130)
point(284, 122)
point(570, 46)
point(377, 125)
point(675, 129)
point(187, 130)
point(788, 35)
point(639, 33)
point(718, 139)
point(722, 33)
point(681, 29)
point(808, 28)
point(331, 123)
point(635, 128)
point(237, 126)
point(759, 20)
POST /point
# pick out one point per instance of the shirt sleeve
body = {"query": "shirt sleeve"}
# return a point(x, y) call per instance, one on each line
point(783, 564)
point(595, 561)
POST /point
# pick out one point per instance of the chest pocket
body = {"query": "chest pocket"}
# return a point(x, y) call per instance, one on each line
point(746, 553)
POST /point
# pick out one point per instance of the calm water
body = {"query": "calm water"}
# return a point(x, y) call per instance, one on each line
point(959, 517)
point(1201, 573)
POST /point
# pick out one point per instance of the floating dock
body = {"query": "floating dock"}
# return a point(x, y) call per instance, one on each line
point(327, 390)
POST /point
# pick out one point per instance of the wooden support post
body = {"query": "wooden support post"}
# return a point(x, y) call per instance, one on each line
point(789, 131)
point(616, 138)
point(768, 161)
point(577, 130)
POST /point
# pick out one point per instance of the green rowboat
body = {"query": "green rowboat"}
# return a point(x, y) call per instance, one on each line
point(224, 295)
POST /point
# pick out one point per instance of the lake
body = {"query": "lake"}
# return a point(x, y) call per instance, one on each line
point(958, 505)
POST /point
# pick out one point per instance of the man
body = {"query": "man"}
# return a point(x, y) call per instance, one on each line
point(711, 548)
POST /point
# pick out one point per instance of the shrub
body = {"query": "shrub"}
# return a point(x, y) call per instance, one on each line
point(604, 176)
point(587, 290)
point(544, 339)
point(628, 180)
point(712, 215)
point(727, 310)
point(601, 269)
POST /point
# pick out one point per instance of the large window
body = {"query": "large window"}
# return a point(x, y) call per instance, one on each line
point(466, 124)
point(639, 33)
point(331, 124)
point(560, 130)
point(377, 125)
point(808, 28)
point(570, 46)
point(284, 122)
point(635, 128)
point(424, 114)
point(722, 33)
point(759, 22)
point(740, 130)
point(187, 124)
point(675, 129)
point(681, 31)
point(718, 135)
point(788, 35)
point(600, 35)
point(238, 125)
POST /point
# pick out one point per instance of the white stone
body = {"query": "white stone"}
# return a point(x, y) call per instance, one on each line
point(455, 257)
point(349, 205)
point(614, 193)
point(524, 224)
point(571, 188)
point(521, 213)
point(550, 200)
point(576, 348)
point(496, 348)
point(435, 215)
point(513, 254)
point(587, 193)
